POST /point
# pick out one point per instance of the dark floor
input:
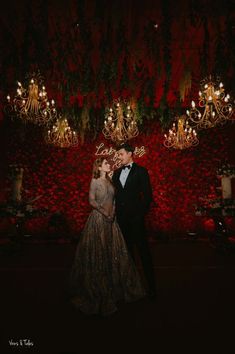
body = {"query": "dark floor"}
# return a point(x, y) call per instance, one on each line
point(194, 311)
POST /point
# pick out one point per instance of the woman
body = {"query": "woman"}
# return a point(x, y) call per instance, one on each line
point(103, 272)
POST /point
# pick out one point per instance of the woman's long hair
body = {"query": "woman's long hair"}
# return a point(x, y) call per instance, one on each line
point(97, 163)
point(96, 172)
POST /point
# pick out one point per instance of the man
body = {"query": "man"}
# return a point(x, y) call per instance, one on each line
point(133, 199)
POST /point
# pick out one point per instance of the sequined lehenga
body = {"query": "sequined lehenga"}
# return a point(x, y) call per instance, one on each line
point(103, 272)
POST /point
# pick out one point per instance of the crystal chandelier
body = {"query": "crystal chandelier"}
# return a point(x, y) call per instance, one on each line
point(61, 135)
point(212, 98)
point(32, 104)
point(182, 136)
point(120, 122)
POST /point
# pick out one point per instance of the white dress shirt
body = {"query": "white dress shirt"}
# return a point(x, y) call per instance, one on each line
point(124, 174)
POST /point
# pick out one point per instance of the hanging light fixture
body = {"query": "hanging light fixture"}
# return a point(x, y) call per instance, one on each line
point(182, 136)
point(31, 104)
point(61, 135)
point(120, 122)
point(214, 107)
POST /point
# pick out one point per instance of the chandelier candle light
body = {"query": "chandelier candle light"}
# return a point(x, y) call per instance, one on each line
point(120, 123)
point(217, 109)
point(61, 135)
point(182, 136)
point(32, 104)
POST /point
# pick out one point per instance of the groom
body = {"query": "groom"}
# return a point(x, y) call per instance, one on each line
point(133, 198)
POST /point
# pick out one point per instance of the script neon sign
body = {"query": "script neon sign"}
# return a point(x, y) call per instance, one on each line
point(112, 154)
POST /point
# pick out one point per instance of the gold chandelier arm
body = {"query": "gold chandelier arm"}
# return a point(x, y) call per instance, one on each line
point(217, 109)
point(120, 122)
point(182, 136)
point(32, 105)
point(61, 135)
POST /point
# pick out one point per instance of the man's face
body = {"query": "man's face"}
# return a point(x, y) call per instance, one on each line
point(125, 156)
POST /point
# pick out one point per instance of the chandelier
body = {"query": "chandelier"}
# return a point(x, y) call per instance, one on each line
point(120, 122)
point(31, 104)
point(61, 135)
point(182, 136)
point(212, 98)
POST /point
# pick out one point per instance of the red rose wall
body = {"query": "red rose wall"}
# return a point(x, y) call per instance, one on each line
point(62, 176)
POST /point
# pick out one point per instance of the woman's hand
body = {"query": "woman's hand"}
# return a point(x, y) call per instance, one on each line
point(110, 218)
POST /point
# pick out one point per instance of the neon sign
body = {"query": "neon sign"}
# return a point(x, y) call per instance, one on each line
point(112, 154)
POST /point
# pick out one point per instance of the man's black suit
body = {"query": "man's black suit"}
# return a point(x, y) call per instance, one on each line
point(132, 203)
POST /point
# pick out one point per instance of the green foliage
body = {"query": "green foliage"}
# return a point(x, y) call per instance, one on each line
point(132, 54)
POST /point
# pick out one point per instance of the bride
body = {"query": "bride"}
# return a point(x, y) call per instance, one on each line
point(103, 272)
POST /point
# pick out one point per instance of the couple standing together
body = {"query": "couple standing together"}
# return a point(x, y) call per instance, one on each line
point(104, 270)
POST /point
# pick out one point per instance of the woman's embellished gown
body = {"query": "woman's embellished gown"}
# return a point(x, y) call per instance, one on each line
point(103, 272)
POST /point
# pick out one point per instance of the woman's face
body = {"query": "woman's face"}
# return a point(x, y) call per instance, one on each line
point(105, 167)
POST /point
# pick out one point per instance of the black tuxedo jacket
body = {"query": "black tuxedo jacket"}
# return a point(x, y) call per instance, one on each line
point(135, 197)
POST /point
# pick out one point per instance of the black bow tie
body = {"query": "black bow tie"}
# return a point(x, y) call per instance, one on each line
point(124, 167)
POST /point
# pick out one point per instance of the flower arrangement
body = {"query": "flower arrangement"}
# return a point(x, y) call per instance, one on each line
point(226, 170)
point(217, 206)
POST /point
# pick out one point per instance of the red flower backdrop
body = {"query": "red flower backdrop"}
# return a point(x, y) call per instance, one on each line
point(62, 176)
